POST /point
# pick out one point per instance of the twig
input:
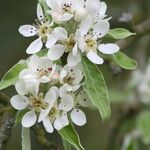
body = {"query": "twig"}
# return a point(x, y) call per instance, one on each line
point(6, 124)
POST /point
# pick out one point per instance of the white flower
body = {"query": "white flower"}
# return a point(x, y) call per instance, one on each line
point(66, 44)
point(40, 70)
point(89, 39)
point(34, 103)
point(96, 9)
point(43, 29)
point(70, 78)
point(56, 118)
point(69, 104)
point(62, 10)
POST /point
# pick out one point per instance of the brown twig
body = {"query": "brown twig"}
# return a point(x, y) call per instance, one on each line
point(6, 124)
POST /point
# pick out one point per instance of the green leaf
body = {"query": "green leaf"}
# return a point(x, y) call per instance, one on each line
point(69, 134)
point(67, 145)
point(26, 141)
point(96, 88)
point(124, 61)
point(143, 124)
point(119, 33)
point(12, 75)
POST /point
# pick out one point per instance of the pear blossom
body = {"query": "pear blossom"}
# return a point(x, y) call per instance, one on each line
point(58, 115)
point(66, 44)
point(70, 78)
point(56, 118)
point(64, 10)
point(93, 8)
point(71, 104)
point(40, 70)
point(43, 29)
point(96, 9)
point(34, 103)
point(89, 40)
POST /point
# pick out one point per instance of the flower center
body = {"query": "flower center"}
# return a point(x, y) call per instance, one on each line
point(37, 103)
point(69, 43)
point(53, 113)
point(69, 78)
point(43, 72)
point(91, 44)
point(44, 30)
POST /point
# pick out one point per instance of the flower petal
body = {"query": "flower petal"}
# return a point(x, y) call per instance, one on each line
point(93, 7)
point(20, 87)
point(66, 103)
point(48, 125)
point(60, 33)
point(61, 122)
point(85, 25)
point(94, 58)
point(73, 60)
point(40, 13)
point(109, 48)
point(35, 46)
point(75, 49)
point(78, 117)
point(51, 41)
point(19, 102)
point(52, 4)
point(28, 30)
point(56, 52)
point(103, 9)
point(101, 29)
point(29, 119)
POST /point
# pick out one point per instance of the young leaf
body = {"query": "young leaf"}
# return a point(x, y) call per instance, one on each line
point(69, 134)
point(96, 88)
point(12, 75)
point(26, 141)
point(124, 61)
point(119, 33)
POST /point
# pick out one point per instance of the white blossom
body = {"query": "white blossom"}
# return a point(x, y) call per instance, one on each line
point(40, 70)
point(66, 44)
point(34, 103)
point(43, 29)
point(89, 40)
point(64, 10)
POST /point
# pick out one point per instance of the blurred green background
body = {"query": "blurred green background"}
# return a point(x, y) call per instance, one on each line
point(95, 135)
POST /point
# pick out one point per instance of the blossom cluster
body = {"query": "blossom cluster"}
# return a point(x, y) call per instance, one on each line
point(48, 90)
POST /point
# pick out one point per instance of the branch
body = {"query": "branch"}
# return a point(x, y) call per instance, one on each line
point(6, 124)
